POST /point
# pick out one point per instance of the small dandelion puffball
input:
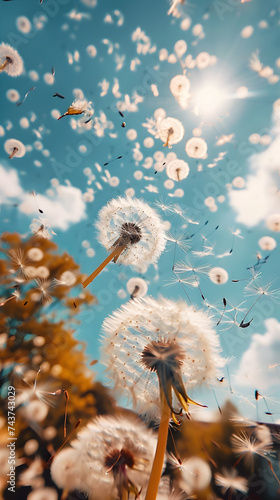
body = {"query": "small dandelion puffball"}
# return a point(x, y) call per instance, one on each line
point(68, 278)
point(10, 60)
point(136, 287)
point(35, 254)
point(196, 147)
point(109, 457)
point(196, 474)
point(134, 224)
point(267, 243)
point(170, 131)
point(177, 170)
point(273, 222)
point(147, 340)
point(218, 275)
point(180, 86)
point(14, 148)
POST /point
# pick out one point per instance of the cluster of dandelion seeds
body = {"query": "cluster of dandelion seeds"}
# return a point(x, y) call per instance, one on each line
point(145, 330)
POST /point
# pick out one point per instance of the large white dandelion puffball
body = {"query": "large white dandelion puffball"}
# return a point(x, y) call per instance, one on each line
point(135, 224)
point(185, 334)
point(177, 170)
point(196, 147)
point(267, 243)
point(170, 131)
point(218, 275)
point(273, 222)
point(180, 86)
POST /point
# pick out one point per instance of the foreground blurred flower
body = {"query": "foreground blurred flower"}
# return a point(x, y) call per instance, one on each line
point(79, 107)
point(10, 60)
point(132, 231)
point(112, 458)
point(151, 349)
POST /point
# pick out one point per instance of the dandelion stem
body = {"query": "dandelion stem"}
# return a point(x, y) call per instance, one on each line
point(160, 451)
point(113, 255)
point(65, 114)
point(5, 63)
point(15, 150)
point(251, 308)
point(124, 493)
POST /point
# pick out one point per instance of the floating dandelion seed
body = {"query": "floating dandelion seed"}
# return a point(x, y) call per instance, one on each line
point(245, 446)
point(196, 147)
point(79, 107)
point(177, 170)
point(229, 480)
point(136, 287)
point(41, 227)
point(19, 262)
point(152, 348)
point(273, 222)
point(42, 293)
point(170, 131)
point(10, 60)
point(180, 86)
point(218, 275)
point(14, 148)
point(132, 231)
point(111, 456)
point(267, 243)
point(254, 288)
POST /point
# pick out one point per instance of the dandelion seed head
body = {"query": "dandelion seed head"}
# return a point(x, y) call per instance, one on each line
point(147, 337)
point(133, 223)
point(15, 63)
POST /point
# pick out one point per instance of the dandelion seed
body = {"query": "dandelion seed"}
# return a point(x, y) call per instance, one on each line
point(245, 446)
point(79, 107)
point(20, 263)
point(255, 289)
point(229, 480)
point(196, 147)
point(170, 131)
point(14, 148)
point(19, 103)
point(42, 293)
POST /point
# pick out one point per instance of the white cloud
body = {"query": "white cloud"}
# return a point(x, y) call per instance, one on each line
point(65, 207)
point(9, 185)
point(259, 198)
point(263, 351)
